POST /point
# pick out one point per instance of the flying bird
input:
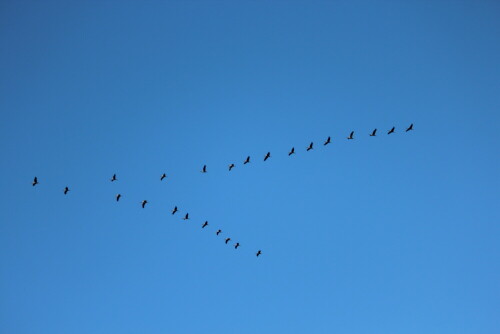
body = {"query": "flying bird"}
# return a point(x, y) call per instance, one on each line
point(174, 210)
point(247, 160)
point(35, 181)
point(231, 166)
point(118, 197)
point(186, 217)
point(163, 176)
point(227, 240)
point(268, 155)
point(205, 224)
point(113, 178)
point(292, 151)
point(310, 146)
point(236, 245)
point(391, 130)
point(328, 141)
point(204, 170)
point(258, 253)
point(144, 203)
point(410, 127)
point(66, 190)
point(351, 136)
point(218, 232)
point(374, 133)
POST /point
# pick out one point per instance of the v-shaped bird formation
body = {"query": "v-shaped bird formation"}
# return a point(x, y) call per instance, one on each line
point(204, 169)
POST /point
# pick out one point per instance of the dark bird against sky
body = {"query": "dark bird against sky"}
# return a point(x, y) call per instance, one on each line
point(410, 127)
point(391, 130)
point(328, 141)
point(247, 160)
point(374, 133)
point(35, 181)
point(351, 136)
point(163, 176)
point(144, 203)
point(268, 155)
point(292, 151)
point(66, 189)
point(310, 147)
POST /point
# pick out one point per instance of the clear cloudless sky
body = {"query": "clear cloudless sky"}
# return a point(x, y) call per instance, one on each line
point(385, 234)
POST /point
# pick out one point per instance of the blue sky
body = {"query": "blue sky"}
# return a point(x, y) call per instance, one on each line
point(392, 234)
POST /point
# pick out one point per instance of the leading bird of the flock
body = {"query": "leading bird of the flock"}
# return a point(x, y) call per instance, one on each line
point(391, 130)
point(163, 176)
point(186, 217)
point(310, 147)
point(118, 197)
point(204, 169)
point(143, 203)
point(236, 245)
point(292, 151)
point(410, 127)
point(231, 166)
point(113, 178)
point(205, 224)
point(351, 136)
point(328, 141)
point(374, 133)
point(227, 240)
point(35, 181)
point(268, 155)
point(247, 160)
point(174, 210)
point(218, 232)
point(258, 253)
point(66, 189)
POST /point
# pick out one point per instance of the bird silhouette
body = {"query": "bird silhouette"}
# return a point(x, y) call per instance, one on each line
point(163, 176)
point(204, 170)
point(410, 127)
point(231, 166)
point(328, 141)
point(186, 217)
point(351, 136)
point(310, 147)
point(227, 240)
point(374, 133)
point(174, 210)
point(205, 224)
point(292, 151)
point(66, 190)
point(247, 160)
point(144, 203)
point(113, 178)
point(258, 253)
point(268, 155)
point(218, 232)
point(35, 181)
point(236, 245)
point(391, 130)
point(118, 197)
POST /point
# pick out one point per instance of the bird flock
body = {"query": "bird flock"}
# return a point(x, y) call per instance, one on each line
point(310, 147)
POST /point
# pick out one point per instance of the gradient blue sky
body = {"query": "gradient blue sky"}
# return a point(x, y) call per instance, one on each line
point(392, 234)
